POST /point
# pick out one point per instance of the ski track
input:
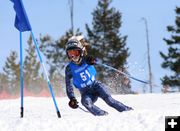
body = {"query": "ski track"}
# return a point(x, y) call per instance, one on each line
point(40, 114)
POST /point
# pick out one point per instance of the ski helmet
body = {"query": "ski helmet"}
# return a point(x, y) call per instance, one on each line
point(81, 40)
point(74, 44)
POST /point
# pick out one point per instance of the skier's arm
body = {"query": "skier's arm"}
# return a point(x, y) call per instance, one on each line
point(69, 86)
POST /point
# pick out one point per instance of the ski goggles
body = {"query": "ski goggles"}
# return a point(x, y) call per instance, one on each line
point(72, 53)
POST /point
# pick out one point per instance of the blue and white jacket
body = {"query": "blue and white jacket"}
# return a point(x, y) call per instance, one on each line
point(80, 76)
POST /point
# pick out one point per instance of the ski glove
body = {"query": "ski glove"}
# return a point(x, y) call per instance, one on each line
point(73, 103)
point(90, 60)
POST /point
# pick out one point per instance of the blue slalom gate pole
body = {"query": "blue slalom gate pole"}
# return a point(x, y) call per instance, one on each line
point(127, 75)
point(22, 24)
point(45, 72)
point(21, 77)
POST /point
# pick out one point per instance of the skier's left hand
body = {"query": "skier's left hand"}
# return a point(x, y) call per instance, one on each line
point(90, 60)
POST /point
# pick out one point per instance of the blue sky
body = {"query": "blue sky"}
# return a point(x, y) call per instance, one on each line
point(53, 18)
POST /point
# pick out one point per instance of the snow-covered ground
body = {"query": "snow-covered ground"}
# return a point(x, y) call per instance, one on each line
point(40, 114)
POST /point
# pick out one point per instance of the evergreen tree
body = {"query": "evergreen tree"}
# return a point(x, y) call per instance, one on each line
point(12, 73)
point(3, 82)
point(172, 58)
point(31, 68)
point(105, 39)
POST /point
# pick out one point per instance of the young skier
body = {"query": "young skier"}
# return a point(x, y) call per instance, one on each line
point(81, 73)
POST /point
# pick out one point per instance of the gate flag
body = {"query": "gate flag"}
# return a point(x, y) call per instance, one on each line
point(21, 19)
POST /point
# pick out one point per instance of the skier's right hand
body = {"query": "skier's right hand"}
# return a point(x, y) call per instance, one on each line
point(73, 103)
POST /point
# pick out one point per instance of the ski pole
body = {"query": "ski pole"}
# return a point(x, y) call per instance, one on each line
point(83, 109)
point(127, 75)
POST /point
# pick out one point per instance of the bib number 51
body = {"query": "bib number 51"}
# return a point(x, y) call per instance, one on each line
point(84, 75)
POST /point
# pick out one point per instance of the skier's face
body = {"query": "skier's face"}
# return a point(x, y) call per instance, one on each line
point(74, 55)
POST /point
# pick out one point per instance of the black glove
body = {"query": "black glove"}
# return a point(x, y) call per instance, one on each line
point(73, 103)
point(90, 60)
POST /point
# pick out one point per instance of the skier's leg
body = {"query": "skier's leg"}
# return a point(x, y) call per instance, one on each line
point(116, 104)
point(87, 102)
point(105, 95)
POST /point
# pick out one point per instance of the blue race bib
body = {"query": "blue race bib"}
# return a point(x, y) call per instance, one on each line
point(83, 75)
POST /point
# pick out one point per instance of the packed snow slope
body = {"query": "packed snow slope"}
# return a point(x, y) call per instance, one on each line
point(40, 114)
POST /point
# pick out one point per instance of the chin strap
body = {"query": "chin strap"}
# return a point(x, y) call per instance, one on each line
point(77, 62)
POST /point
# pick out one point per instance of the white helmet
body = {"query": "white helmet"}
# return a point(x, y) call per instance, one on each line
point(73, 44)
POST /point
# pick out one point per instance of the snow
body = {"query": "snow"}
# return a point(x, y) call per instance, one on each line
point(40, 114)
